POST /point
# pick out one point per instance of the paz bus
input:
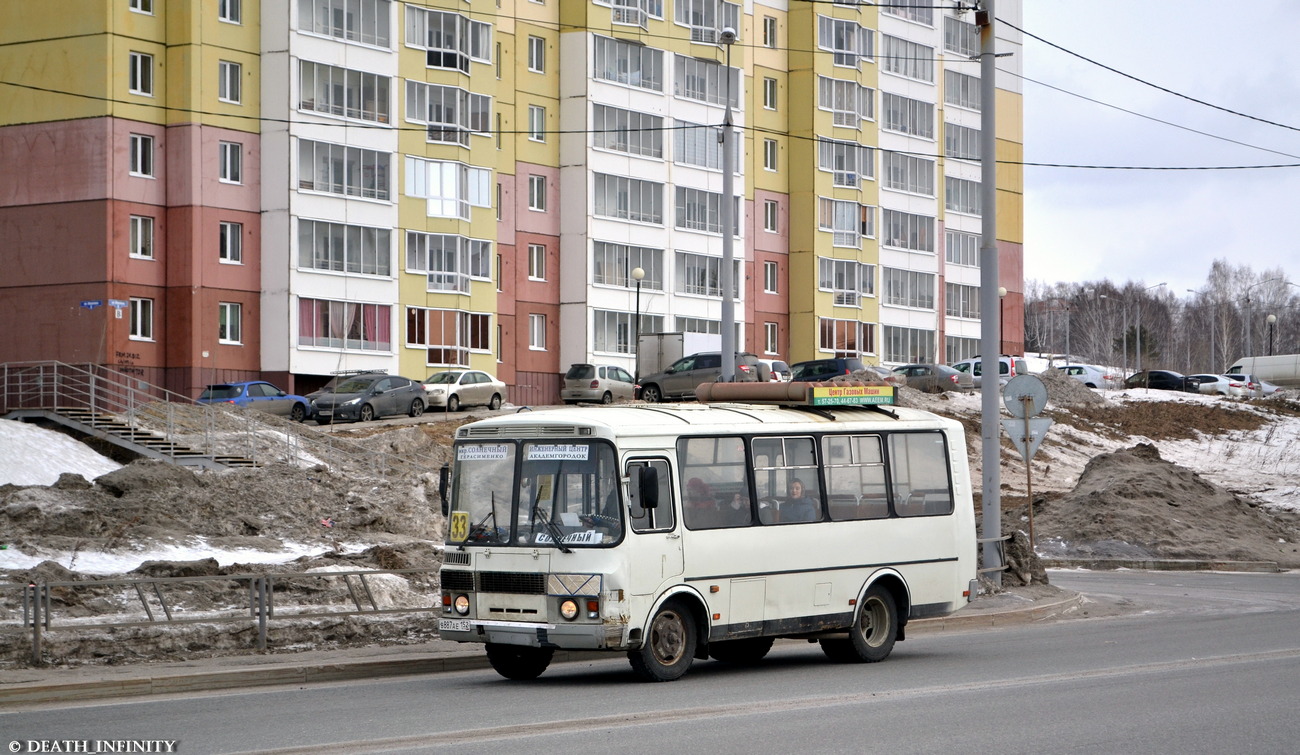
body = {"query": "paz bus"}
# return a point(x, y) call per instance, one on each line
point(675, 533)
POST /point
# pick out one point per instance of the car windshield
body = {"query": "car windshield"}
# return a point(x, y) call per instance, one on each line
point(218, 392)
point(443, 378)
point(581, 372)
point(354, 385)
point(535, 494)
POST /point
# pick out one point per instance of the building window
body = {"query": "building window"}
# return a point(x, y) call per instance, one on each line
point(142, 155)
point(908, 345)
point(612, 265)
point(141, 319)
point(449, 261)
point(141, 6)
point(629, 63)
point(344, 92)
point(706, 81)
point(848, 162)
point(327, 324)
point(769, 154)
point(229, 81)
point(343, 170)
point(906, 58)
point(845, 220)
point(769, 93)
point(849, 102)
point(956, 349)
point(707, 18)
point(537, 193)
point(700, 146)
point(537, 54)
point(961, 90)
point(962, 38)
point(366, 21)
point(961, 301)
point(907, 231)
point(848, 280)
point(960, 195)
point(230, 11)
point(903, 172)
point(907, 116)
point(230, 326)
point(769, 31)
point(907, 288)
point(961, 142)
point(231, 158)
point(230, 250)
point(628, 199)
point(700, 210)
point(537, 332)
point(612, 331)
point(341, 248)
point(961, 248)
point(536, 123)
point(141, 237)
point(701, 275)
point(450, 113)
point(537, 262)
point(847, 40)
point(450, 40)
point(771, 211)
point(909, 10)
point(448, 335)
point(769, 338)
point(450, 188)
point(770, 278)
point(140, 75)
point(629, 131)
point(846, 338)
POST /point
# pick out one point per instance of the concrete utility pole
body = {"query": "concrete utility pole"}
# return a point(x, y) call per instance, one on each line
point(990, 327)
point(727, 138)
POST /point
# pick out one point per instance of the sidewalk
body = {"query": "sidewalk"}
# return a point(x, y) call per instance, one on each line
point(46, 684)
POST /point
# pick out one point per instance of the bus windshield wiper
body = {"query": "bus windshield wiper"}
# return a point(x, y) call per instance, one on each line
point(478, 528)
point(551, 528)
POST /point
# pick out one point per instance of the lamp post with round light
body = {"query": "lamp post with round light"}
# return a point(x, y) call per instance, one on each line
point(637, 275)
point(1270, 320)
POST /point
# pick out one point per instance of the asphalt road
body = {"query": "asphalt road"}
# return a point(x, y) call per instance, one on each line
point(1204, 663)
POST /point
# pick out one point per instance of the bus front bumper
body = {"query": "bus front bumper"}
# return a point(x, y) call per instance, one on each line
point(605, 636)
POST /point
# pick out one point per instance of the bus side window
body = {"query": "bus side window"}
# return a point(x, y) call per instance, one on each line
point(918, 466)
point(660, 517)
point(855, 477)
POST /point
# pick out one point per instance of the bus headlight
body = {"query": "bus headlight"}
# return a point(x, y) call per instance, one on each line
point(462, 605)
point(569, 609)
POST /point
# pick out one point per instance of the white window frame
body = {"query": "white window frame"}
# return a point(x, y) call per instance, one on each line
point(771, 334)
point(961, 195)
point(961, 142)
point(448, 261)
point(142, 165)
point(833, 337)
point(536, 332)
point(230, 158)
point(961, 248)
point(771, 277)
point(905, 230)
point(770, 149)
point(450, 41)
point(632, 199)
point(849, 163)
point(537, 193)
point(701, 275)
point(769, 93)
point(141, 6)
point(612, 264)
point(699, 145)
point(961, 301)
point(848, 41)
point(848, 102)
point(344, 248)
point(771, 215)
point(230, 243)
point(344, 92)
point(341, 170)
point(906, 58)
point(230, 82)
point(451, 113)
point(451, 188)
point(769, 32)
point(701, 210)
point(370, 27)
point(905, 115)
point(536, 262)
point(707, 18)
point(619, 341)
point(230, 323)
point(536, 123)
point(913, 289)
point(705, 81)
point(141, 313)
point(629, 131)
point(961, 90)
point(537, 54)
point(140, 74)
point(615, 59)
point(900, 171)
point(230, 11)
point(142, 236)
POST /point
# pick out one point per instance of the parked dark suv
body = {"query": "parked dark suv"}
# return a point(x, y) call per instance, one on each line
point(369, 396)
point(680, 380)
point(1163, 380)
point(824, 369)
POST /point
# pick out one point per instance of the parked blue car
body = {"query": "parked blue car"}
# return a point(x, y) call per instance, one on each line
point(260, 395)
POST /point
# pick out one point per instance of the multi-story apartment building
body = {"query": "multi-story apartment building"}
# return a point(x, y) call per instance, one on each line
point(291, 188)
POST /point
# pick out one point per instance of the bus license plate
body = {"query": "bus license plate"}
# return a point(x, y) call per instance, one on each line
point(454, 625)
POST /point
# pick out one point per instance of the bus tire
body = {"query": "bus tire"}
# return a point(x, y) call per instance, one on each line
point(519, 662)
point(740, 652)
point(876, 629)
point(669, 647)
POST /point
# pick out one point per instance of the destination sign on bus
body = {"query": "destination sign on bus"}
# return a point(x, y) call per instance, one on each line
point(850, 395)
point(483, 452)
point(559, 452)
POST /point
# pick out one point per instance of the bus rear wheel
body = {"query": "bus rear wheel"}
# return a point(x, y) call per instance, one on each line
point(740, 652)
point(518, 662)
point(872, 636)
point(669, 646)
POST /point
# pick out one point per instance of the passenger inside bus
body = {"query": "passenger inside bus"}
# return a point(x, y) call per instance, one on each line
point(798, 506)
point(701, 510)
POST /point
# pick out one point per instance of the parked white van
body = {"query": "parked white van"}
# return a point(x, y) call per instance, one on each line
point(1282, 370)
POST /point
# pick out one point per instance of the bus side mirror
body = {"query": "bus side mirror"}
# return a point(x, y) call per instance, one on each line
point(444, 479)
point(648, 487)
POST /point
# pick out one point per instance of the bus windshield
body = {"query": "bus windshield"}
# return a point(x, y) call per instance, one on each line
point(535, 493)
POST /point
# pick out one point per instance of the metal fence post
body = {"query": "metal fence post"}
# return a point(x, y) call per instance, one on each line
point(261, 613)
point(36, 623)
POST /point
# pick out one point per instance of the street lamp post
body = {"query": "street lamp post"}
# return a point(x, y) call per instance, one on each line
point(1250, 342)
point(1138, 355)
point(637, 275)
point(1271, 320)
point(1002, 310)
point(728, 38)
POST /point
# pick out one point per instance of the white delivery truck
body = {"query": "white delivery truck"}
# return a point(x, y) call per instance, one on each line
point(1282, 370)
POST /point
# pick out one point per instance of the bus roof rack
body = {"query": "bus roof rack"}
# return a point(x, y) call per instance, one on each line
point(827, 394)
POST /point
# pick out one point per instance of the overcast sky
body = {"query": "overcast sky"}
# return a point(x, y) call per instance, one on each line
point(1161, 226)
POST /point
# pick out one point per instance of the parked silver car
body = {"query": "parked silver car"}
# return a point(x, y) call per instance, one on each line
point(603, 383)
point(369, 396)
point(1222, 385)
point(1008, 368)
point(1091, 375)
point(456, 388)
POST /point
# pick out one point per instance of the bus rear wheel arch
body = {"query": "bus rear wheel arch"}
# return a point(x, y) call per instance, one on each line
point(668, 648)
point(873, 634)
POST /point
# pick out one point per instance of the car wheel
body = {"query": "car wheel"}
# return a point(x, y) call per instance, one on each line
point(651, 394)
point(608, 398)
point(1090, 385)
point(453, 403)
point(495, 403)
point(417, 408)
point(366, 414)
point(298, 413)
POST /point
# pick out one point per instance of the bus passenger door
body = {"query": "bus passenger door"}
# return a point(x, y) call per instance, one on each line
point(655, 544)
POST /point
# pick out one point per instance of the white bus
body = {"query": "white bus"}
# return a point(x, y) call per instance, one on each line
point(676, 533)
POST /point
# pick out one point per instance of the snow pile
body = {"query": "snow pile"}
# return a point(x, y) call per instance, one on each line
point(30, 455)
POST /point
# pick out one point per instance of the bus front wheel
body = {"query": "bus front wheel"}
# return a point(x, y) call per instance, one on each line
point(873, 635)
point(518, 662)
point(669, 646)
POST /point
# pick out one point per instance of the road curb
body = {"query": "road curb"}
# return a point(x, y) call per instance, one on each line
point(1161, 564)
